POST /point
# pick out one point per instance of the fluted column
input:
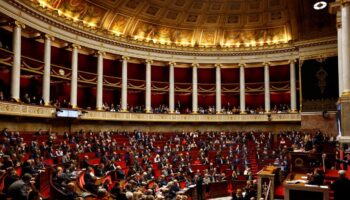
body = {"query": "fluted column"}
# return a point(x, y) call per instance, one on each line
point(242, 88)
point(148, 86)
point(99, 88)
point(293, 91)
point(124, 103)
point(267, 87)
point(340, 57)
point(218, 88)
point(171, 87)
point(345, 37)
point(195, 88)
point(74, 78)
point(47, 69)
point(16, 65)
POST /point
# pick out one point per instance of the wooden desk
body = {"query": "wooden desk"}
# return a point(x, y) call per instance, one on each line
point(302, 191)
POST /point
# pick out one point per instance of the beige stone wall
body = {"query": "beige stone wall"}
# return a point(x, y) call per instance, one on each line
point(318, 122)
point(60, 125)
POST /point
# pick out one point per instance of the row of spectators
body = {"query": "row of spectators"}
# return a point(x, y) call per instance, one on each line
point(161, 109)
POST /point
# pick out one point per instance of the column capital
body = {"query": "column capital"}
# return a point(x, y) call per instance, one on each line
point(266, 64)
point(338, 25)
point(242, 65)
point(100, 53)
point(48, 37)
point(172, 63)
point(75, 46)
point(149, 61)
point(344, 2)
point(334, 7)
point(195, 65)
point(292, 60)
point(218, 65)
point(18, 24)
point(125, 58)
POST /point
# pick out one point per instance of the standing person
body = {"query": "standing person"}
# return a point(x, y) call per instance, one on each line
point(199, 186)
point(341, 186)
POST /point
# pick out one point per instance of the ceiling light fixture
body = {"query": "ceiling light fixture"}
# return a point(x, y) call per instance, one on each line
point(319, 5)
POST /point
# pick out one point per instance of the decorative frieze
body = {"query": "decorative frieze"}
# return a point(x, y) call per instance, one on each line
point(16, 109)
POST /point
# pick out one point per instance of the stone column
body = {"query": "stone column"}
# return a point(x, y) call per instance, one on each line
point(171, 87)
point(267, 87)
point(195, 88)
point(242, 88)
point(218, 88)
point(74, 78)
point(340, 57)
point(16, 65)
point(47, 69)
point(148, 86)
point(345, 37)
point(124, 103)
point(343, 6)
point(293, 91)
point(99, 88)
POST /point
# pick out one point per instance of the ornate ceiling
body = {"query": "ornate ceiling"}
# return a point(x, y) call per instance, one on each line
point(231, 23)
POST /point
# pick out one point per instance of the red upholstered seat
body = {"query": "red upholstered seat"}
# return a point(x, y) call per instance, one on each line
point(2, 183)
point(81, 180)
point(94, 161)
point(182, 184)
point(19, 171)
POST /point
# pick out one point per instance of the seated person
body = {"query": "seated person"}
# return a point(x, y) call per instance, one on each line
point(102, 194)
point(317, 178)
point(70, 192)
point(11, 178)
point(120, 173)
point(20, 189)
point(238, 195)
point(61, 178)
point(89, 179)
point(100, 170)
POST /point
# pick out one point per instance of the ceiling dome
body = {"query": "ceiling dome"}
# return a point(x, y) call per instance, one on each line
point(202, 23)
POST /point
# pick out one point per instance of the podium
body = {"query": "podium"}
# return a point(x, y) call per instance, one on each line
point(268, 176)
point(297, 188)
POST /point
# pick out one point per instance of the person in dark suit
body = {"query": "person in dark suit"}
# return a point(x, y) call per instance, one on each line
point(120, 173)
point(85, 163)
point(238, 195)
point(89, 179)
point(341, 187)
point(20, 189)
point(11, 178)
point(199, 186)
point(317, 178)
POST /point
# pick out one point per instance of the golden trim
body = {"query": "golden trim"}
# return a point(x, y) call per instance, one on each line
point(18, 109)
point(99, 108)
point(293, 111)
point(345, 94)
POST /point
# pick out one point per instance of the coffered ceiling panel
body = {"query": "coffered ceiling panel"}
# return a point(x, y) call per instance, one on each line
point(188, 22)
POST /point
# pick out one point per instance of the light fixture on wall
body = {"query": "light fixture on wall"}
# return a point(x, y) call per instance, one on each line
point(320, 4)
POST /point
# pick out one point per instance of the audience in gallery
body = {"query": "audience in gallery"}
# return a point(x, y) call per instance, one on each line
point(161, 109)
point(173, 155)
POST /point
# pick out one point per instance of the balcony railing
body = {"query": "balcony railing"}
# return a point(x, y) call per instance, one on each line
point(18, 109)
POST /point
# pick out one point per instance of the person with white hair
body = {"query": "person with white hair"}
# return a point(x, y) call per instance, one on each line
point(341, 186)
